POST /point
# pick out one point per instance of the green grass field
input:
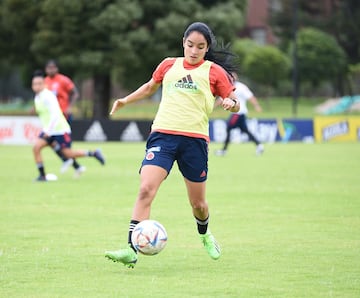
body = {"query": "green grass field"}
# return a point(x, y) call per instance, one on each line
point(288, 223)
point(272, 108)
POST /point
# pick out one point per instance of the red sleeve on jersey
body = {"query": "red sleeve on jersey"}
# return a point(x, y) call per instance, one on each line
point(163, 67)
point(220, 82)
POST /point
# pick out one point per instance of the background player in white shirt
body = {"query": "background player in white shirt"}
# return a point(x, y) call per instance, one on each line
point(56, 131)
point(238, 120)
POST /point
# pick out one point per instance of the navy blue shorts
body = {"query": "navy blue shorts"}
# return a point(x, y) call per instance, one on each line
point(191, 154)
point(63, 140)
point(237, 120)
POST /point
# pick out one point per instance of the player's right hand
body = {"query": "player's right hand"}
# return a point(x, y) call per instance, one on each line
point(118, 104)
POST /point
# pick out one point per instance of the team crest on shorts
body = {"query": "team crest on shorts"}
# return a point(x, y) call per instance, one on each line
point(150, 156)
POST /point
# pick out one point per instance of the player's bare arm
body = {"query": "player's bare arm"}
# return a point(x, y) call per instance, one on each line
point(231, 103)
point(253, 100)
point(142, 92)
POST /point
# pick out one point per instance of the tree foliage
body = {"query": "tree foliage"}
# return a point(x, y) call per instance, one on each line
point(320, 56)
point(103, 38)
point(154, 39)
point(241, 48)
point(17, 27)
point(266, 65)
point(339, 18)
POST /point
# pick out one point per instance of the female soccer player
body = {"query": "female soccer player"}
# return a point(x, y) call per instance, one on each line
point(56, 131)
point(180, 128)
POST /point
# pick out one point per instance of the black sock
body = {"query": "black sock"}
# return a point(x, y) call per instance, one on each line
point(132, 225)
point(57, 149)
point(202, 225)
point(75, 164)
point(41, 169)
point(64, 158)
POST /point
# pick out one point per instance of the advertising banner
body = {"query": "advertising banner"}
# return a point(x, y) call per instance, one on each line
point(296, 130)
point(19, 130)
point(265, 130)
point(337, 128)
point(108, 130)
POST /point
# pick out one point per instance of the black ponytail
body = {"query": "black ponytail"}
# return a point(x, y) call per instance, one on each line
point(220, 54)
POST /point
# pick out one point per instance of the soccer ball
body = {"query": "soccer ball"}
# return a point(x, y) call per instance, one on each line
point(51, 177)
point(149, 237)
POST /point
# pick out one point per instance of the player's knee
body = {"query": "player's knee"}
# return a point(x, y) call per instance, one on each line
point(147, 191)
point(199, 205)
point(37, 147)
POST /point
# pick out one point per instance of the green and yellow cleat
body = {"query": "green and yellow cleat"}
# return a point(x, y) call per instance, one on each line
point(127, 256)
point(211, 246)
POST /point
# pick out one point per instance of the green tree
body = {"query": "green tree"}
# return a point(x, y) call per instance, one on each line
point(153, 39)
point(103, 39)
point(266, 65)
point(67, 31)
point(320, 57)
point(126, 38)
point(17, 27)
point(339, 18)
point(241, 48)
point(345, 26)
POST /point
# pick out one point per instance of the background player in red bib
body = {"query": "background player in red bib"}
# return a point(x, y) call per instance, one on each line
point(180, 131)
point(66, 93)
point(63, 88)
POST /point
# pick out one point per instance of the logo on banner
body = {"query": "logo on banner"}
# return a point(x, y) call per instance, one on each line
point(131, 133)
point(6, 132)
point(31, 131)
point(335, 130)
point(95, 133)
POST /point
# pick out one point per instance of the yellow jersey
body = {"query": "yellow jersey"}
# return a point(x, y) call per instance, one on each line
point(187, 101)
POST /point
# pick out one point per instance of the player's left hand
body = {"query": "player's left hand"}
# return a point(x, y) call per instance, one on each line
point(228, 104)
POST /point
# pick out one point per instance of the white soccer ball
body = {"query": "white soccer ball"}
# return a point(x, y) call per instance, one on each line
point(149, 237)
point(51, 177)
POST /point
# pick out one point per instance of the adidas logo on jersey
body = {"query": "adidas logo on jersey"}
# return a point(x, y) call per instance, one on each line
point(186, 83)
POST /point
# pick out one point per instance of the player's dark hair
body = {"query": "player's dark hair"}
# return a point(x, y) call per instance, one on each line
point(220, 54)
point(51, 61)
point(38, 73)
